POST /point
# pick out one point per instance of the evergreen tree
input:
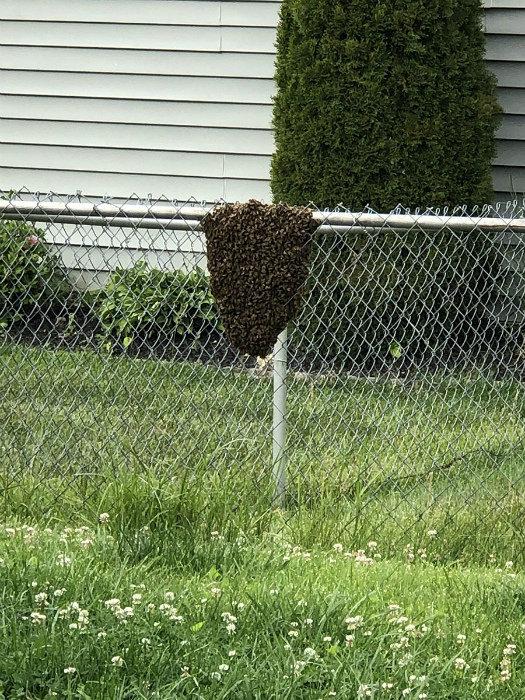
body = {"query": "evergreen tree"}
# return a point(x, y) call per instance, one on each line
point(382, 102)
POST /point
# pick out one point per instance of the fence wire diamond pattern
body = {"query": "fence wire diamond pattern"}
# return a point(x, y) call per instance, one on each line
point(405, 411)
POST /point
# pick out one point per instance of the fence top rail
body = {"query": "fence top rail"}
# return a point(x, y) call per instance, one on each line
point(189, 216)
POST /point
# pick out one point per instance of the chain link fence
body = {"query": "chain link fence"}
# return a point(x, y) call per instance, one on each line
point(404, 415)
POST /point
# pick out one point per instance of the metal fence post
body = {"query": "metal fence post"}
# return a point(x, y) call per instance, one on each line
point(280, 391)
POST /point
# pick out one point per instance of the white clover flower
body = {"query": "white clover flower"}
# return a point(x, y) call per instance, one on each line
point(327, 639)
point(387, 686)
point(145, 641)
point(372, 546)
point(73, 626)
point(299, 667)
point(406, 691)
point(227, 616)
point(37, 618)
point(112, 603)
point(150, 607)
point(117, 661)
point(216, 592)
point(59, 592)
point(70, 670)
point(354, 622)
point(274, 591)
point(338, 548)
point(102, 634)
point(461, 639)
point(293, 633)
point(41, 598)
point(232, 652)
point(230, 627)
point(169, 596)
point(363, 691)
point(349, 640)
point(509, 564)
point(215, 675)
point(405, 660)
point(103, 517)
point(311, 653)
point(309, 621)
point(136, 598)
point(63, 560)
point(83, 618)
point(461, 665)
point(223, 667)
point(509, 649)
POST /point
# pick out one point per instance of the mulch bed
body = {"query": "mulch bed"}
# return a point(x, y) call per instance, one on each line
point(80, 331)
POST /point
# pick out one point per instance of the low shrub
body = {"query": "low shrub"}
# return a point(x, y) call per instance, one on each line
point(143, 303)
point(31, 277)
point(376, 296)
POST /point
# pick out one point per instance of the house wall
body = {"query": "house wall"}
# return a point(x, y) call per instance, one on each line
point(173, 97)
point(505, 31)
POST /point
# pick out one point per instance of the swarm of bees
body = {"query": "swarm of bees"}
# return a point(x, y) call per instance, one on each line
point(258, 259)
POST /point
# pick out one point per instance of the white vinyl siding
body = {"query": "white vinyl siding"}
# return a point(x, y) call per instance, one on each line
point(505, 31)
point(161, 97)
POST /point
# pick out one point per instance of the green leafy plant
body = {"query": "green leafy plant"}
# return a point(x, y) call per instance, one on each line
point(145, 303)
point(31, 277)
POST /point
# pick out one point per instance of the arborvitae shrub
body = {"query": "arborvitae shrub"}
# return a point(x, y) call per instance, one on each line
point(382, 102)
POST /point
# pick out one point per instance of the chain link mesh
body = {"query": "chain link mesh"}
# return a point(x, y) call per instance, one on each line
point(405, 373)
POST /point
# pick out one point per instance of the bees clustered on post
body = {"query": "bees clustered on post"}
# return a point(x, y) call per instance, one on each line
point(258, 260)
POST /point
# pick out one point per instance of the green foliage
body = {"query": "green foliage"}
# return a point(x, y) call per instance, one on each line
point(383, 102)
point(397, 294)
point(30, 274)
point(145, 303)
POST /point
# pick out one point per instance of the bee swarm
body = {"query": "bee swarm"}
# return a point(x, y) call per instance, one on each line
point(258, 259)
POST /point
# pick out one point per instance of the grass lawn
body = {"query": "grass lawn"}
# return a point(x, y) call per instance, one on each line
point(179, 456)
point(262, 619)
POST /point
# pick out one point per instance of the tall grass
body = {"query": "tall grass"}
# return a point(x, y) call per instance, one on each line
point(185, 449)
